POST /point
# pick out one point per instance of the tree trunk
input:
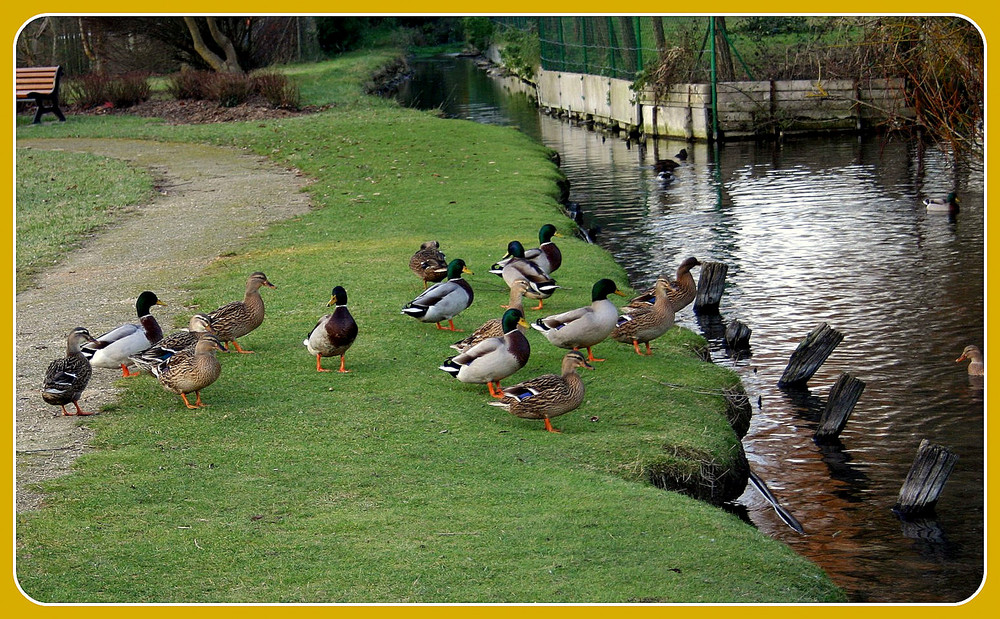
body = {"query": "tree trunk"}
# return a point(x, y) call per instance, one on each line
point(658, 36)
point(88, 49)
point(229, 64)
point(723, 55)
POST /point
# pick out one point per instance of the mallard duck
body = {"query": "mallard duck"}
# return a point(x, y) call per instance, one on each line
point(198, 325)
point(548, 395)
point(547, 255)
point(942, 205)
point(517, 267)
point(429, 264)
point(586, 326)
point(495, 358)
point(444, 300)
point(645, 324)
point(114, 348)
point(680, 292)
point(66, 378)
point(238, 318)
point(977, 365)
point(191, 370)
point(494, 326)
point(334, 333)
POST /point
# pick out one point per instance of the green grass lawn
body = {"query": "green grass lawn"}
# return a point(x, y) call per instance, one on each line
point(396, 483)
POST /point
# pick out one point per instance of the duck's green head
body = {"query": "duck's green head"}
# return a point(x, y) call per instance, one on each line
point(511, 318)
point(338, 296)
point(515, 249)
point(456, 267)
point(603, 288)
point(145, 301)
point(546, 232)
point(952, 198)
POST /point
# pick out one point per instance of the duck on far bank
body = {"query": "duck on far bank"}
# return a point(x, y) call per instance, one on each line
point(942, 205)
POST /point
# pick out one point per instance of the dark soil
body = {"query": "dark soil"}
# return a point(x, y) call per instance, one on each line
point(179, 112)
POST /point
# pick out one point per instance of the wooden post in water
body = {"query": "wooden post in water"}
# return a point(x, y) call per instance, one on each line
point(928, 473)
point(711, 283)
point(810, 354)
point(738, 335)
point(843, 396)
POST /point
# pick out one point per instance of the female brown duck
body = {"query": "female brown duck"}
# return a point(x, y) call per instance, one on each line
point(238, 318)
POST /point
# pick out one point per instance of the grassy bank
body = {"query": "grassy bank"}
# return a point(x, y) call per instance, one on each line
point(395, 482)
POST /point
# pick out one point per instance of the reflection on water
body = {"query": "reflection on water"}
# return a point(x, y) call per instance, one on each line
point(814, 230)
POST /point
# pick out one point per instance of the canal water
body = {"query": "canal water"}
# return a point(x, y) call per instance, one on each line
point(813, 230)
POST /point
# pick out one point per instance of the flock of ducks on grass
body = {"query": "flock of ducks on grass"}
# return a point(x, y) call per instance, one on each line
point(184, 362)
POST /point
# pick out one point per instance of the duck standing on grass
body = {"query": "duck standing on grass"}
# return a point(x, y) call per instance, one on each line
point(495, 358)
point(172, 344)
point(191, 370)
point(114, 348)
point(429, 264)
point(548, 395)
point(515, 266)
point(547, 255)
point(681, 291)
point(583, 327)
point(977, 365)
point(334, 333)
point(66, 378)
point(238, 318)
point(644, 324)
point(444, 300)
point(494, 326)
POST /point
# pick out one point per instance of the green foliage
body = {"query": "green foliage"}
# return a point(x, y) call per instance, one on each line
point(520, 51)
point(478, 31)
point(395, 483)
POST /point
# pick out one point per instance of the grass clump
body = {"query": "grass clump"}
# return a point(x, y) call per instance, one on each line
point(64, 197)
point(395, 483)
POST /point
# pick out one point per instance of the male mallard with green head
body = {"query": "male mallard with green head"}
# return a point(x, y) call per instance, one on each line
point(444, 300)
point(586, 326)
point(114, 348)
point(518, 267)
point(493, 359)
point(334, 333)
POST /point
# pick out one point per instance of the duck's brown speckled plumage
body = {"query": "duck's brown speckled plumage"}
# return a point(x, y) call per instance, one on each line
point(494, 326)
point(429, 263)
point(548, 395)
point(977, 363)
point(644, 324)
point(680, 291)
point(238, 318)
point(198, 325)
point(66, 378)
point(191, 370)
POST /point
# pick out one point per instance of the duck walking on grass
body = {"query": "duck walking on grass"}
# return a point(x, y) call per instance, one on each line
point(238, 318)
point(114, 348)
point(493, 359)
point(977, 364)
point(444, 300)
point(681, 291)
point(334, 333)
point(429, 264)
point(66, 378)
point(191, 370)
point(172, 344)
point(548, 395)
point(644, 324)
point(583, 327)
point(494, 326)
point(515, 266)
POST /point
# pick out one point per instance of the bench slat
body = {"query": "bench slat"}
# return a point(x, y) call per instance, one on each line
point(42, 85)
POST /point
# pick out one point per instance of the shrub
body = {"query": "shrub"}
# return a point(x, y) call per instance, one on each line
point(192, 85)
point(478, 31)
point(276, 89)
point(128, 89)
point(231, 89)
point(88, 91)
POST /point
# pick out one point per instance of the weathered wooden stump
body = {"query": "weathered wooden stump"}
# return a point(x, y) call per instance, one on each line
point(928, 474)
point(843, 397)
point(711, 283)
point(738, 335)
point(810, 354)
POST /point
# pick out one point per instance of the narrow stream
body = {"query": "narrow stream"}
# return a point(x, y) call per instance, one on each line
point(813, 230)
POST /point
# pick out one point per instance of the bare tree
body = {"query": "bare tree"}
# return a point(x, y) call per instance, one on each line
point(228, 64)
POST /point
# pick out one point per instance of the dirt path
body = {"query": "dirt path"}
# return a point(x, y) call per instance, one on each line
point(212, 199)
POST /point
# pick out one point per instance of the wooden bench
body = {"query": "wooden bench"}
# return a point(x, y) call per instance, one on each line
point(40, 84)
